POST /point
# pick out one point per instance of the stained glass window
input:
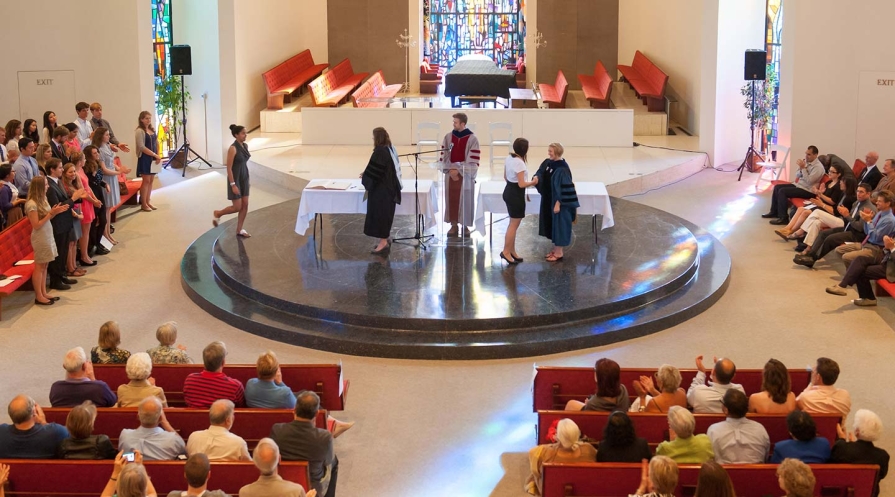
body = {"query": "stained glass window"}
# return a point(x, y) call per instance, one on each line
point(773, 39)
point(161, 49)
point(454, 28)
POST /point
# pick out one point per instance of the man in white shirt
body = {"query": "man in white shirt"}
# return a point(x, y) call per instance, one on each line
point(821, 397)
point(217, 442)
point(707, 398)
point(738, 440)
point(25, 166)
point(85, 127)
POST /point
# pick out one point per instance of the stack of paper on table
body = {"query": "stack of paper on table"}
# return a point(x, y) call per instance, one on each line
point(329, 185)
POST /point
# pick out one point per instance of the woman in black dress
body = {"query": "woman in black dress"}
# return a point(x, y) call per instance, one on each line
point(237, 181)
point(380, 179)
point(514, 196)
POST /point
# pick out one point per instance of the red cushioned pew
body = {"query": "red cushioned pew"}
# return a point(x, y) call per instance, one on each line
point(647, 80)
point(288, 78)
point(15, 245)
point(597, 87)
point(335, 85)
point(324, 379)
point(555, 95)
point(374, 87)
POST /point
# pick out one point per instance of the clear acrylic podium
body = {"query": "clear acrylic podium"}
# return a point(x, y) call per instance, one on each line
point(457, 197)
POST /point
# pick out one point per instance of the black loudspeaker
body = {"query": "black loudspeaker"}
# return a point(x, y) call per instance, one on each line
point(755, 66)
point(182, 61)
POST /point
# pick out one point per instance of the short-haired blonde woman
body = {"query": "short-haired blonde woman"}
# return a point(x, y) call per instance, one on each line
point(796, 478)
point(659, 397)
point(107, 351)
point(129, 479)
point(559, 201)
point(39, 213)
point(658, 478)
point(566, 449)
point(166, 352)
point(82, 443)
point(141, 384)
point(685, 447)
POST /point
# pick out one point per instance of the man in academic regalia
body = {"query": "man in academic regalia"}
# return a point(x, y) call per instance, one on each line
point(460, 158)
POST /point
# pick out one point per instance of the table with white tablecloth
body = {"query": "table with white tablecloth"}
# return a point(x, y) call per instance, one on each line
point(592, 196)
point(351, 201)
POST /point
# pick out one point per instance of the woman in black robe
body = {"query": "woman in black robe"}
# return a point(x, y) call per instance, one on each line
point(380, 179)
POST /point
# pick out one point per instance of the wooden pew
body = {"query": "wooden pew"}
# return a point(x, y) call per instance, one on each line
point(554, 386)
point(597, 87)
point(324, 379)
point(749, 480)
point(647, 80)
point(374, 87)
point(251, 424)
point(15, 245)
point(654, 426)
point(335, 85)
point(36, 477)
point(555, 95)
point(288, 78)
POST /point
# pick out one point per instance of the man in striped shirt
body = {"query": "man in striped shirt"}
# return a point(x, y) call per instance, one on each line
point(202, 389)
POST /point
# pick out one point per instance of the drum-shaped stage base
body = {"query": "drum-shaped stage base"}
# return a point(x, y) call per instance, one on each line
point(650, 271)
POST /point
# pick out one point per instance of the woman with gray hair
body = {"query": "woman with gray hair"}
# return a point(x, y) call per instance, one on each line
point(857, 447)
point(658, 478)
point(795, 478)
point(166, 352)
point(684, 447)
point(141, 385)
point(669, 392)
point(566, 449)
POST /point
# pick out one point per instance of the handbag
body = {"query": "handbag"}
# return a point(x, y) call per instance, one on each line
point(122, 184)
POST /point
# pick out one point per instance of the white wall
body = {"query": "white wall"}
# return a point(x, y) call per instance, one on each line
point(827, 46)
point(117, 80)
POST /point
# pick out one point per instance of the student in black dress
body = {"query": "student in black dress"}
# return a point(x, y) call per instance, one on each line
point(383, 185)
point(237, 181)
point(514, 195)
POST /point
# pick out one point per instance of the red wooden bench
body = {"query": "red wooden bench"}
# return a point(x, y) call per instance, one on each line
point(129, 198)
point(289, 77)
point(647, 80)
point(654, 426)
point(59, 477)
point(335, 85)
point(430, 77)
point(374, 87)
point(324, 379)
point(749, 480)
point(885, 288)
point(555, 95)
point(251, 424)
point(15, 245)
point(597, 86)
point(554, 386)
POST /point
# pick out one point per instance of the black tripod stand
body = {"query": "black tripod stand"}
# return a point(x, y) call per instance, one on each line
point(186, 149)
point(420, 238)
point(751, 153)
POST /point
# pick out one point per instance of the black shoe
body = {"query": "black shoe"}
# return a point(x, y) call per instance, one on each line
point(69, 281)
point(801, 247)
point(804, 260)
point(101, 251)
point(49, 302)
point(60, 286)
point(87, 264)
point(54, 299)
point(111, 229)
point(510, 262)
point(780, 222)
point(768, 216)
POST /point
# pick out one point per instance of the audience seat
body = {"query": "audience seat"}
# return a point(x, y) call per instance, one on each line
point(800, 202)
point(430, 77)
point(647, 80)
point(375, 87)
point(555, 95)
point(597, 87)
point(289, 77)
point(129, 198)
point(859, 167)
point(15, 245)
point(335, 85)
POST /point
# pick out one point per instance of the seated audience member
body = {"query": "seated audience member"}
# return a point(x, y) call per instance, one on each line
point(129, 479)
point(82, 443)
point(166, 352)
point(857, 447)
point(852, 231)
point(707, 398)
point(611, 395)
point(155, 437)
point(658, 478)
point(796, 478)
point(80, 384)
point(267, 457)
point(685, 447)
point(107, 352)
point(29, 436)
point(620, 443)
point(805, 445)
point(827, 196)
point(821, 397)
point(98, 122)
point(887, 183)
point(217, 442)
point(776, 395)
point(196, 471)
point(871, 174)
point(268, 391)
point(811, 171)
point(876, 227)
point(863, 272)
point(713, 481)
point(738, 440)
point(566, 449)
point(827, 216)
point(201, 389)
point(300, 440)
point(652, 399)
point(141, 384)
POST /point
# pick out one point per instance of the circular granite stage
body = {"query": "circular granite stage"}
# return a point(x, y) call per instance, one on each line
point(651, 271)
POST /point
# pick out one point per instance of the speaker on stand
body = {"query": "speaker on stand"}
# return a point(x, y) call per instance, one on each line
point(754, 69)
point(182, 65)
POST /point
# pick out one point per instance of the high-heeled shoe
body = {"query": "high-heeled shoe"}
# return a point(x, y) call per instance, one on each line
point(512, 263)
point(517, 258)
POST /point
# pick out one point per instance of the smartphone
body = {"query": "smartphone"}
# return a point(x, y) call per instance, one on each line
point(129, 456)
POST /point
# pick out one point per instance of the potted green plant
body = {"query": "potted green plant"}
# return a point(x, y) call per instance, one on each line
point(170, 102)
point(764, 103)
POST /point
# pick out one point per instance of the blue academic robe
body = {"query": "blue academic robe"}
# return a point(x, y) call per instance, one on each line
point(563, 190)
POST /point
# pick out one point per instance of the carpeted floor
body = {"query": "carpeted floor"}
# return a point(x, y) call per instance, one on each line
point(460, 428)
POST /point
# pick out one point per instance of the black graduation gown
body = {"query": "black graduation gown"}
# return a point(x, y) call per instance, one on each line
point(383, 193)
point(545, 188)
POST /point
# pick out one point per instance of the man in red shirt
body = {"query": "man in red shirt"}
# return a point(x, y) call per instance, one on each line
point(202, 389)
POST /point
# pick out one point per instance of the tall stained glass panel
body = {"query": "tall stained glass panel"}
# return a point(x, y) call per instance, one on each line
point(161, 49)
point(454, 28)
point(773, 39)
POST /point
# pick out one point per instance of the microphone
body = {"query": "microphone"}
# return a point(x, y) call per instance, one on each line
point(450, 147)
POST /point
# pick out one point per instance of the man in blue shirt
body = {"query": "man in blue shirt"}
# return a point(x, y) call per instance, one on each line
point(858, 257)
point(156, 439)
point(268, 391)
point(26, 167)
point(30, 436)
point(805, 445)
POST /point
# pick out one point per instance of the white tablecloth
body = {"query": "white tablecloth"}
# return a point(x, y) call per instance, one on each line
point(592, 196)
point(351, 201)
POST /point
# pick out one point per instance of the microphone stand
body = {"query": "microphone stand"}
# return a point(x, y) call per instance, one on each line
point(420, 238)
